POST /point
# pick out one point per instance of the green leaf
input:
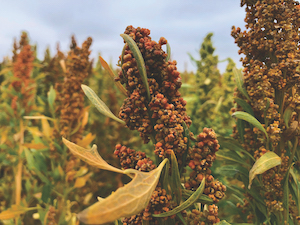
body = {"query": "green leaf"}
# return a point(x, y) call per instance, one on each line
point(46, 192)
point(240, 82)
point(100, 105)
point(233, 145)
point(231, 157)
point(240, 124)
point(204, 199)
point(168, 52)
point(244, 105)
point(264, 163)
point(51, 98)
point(29, 158)
point(223, 222)
point(175, 179)
point(181, 218)
point(186, 204)
point(287, 115)
point(252, 120)
point(139, 61)
point(286, 192)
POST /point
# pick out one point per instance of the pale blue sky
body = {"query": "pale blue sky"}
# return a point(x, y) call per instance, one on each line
point(183, 23)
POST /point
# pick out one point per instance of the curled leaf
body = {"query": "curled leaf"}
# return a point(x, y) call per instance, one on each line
point(100, 105)
point(112, 75)
point(90, 156)
point(139, 61)
point(193, 198)
point(126, 201)
point(264, 163)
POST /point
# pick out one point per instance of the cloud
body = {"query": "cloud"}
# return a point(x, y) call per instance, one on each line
point(183, 23)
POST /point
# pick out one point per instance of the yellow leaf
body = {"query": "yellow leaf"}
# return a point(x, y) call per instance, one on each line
point(12, 212)
point(264, 163)
point(86, 140)
point(85, 116)
point(34, 131)
point(4, 135)
point(37, 146)
point(90, 156)
point(81, 181)
point(126, 201)
point(47, 131)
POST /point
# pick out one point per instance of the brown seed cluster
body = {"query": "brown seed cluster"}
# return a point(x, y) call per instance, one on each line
point(270, 44)
point(201, 157)
point(207, 217)
point(162, 118)
point(71, 97)
point(162, 115)
point(22, 68)
point(129, 158)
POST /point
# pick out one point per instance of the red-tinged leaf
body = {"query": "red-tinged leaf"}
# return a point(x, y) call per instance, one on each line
point(112, 75)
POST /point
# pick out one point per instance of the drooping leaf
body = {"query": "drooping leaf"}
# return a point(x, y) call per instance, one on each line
point(244, 105)
point(90, 156)
point(100, 105)
point(240, 82)
point(250, 119)
point(126, 201)
point(264, 163)
point(112, 75)
point(139, 61)
point(186, 204)
point(168, 52)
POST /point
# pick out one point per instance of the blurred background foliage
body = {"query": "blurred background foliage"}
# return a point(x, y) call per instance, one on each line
point(41, 101)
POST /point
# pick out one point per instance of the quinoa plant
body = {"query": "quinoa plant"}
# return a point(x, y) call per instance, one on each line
point(165, 187)
point(267, 115)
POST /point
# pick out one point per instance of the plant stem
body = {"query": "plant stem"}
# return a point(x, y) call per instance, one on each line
point(18, 178)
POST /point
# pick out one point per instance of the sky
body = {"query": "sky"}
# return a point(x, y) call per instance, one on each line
point(183, 23)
